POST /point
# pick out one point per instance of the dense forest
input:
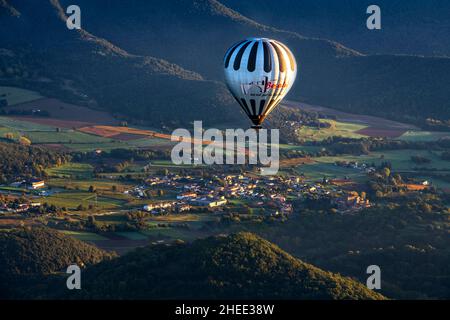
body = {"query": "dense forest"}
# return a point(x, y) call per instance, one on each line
point(237, 266)
point(407, 236)
point(428, 23)
point(19, 161)
point(27, 254)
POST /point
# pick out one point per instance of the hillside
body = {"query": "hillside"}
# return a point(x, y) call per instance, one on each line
point(238, 266)
point(43, 251)
point(404, 239)
point(38, 52)
point(18, 161)
point(329, 73)
point(408, 27)
point(165, 66)
point(27, 254)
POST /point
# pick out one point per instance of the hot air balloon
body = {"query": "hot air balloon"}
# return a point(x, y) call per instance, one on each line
point(259, 72)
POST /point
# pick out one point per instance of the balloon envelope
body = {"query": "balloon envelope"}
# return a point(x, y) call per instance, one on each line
point(259, 72)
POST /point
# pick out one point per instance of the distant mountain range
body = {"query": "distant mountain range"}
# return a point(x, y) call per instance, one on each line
point(162, 62)
point(235, 267)
point(413, 27)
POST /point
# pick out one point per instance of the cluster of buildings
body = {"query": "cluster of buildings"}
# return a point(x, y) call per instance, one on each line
point(268, 194)
point(165, 206)
point(355, 165)
point(31, 184)
point(218, 190)
point(351, 201)
point(17, 208)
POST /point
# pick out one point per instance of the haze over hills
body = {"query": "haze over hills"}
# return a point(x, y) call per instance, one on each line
point(193, 36)
point(408, 27)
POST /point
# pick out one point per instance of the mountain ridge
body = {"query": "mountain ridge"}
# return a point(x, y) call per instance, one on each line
point(116, 80)
point(193, 36)
point(414, 27)
point(329, 74)
point(238, 266)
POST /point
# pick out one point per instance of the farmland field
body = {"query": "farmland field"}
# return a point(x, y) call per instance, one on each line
point(369, 126)
point(84, 184)
point(342, 129)
point(380, 132)
point(71, 200)
point(60, 110)
point(111, 131)
point(71, 170)
point(67, 138)
point(172, 233)
point(364, 120)
point(52, 122)
point(299, 147)
point(317, 171)
point(132, 235)
point(423, 135)
point(18, 125)
point(400, 160)
point(84, 236)
point(15, 95)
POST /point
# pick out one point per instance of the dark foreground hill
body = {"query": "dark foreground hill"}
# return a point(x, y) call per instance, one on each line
point(29, 254)
point(238, 266)
point(44, 250)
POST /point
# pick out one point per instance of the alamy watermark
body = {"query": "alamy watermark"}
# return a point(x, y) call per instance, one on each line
point(74, 19)
point(74, 280)
point(374, 20)
point(374, 280)
point(229, 146)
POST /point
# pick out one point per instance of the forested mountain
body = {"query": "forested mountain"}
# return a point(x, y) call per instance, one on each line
point(196, 34)
point(238, 266)
point(405, 239)
point(19, 161)
point(37, 51)
point(415, 27)
point(146, 73)
point(29, 254)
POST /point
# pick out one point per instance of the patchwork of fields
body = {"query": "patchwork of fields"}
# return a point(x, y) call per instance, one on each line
point(73, 139)
point(356, 131)
point(16, 96)
point(68, 125)
point(67, 128)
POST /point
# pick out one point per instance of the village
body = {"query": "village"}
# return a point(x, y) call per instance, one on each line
point(270, 195)
point(218, 192)
point(166, 192)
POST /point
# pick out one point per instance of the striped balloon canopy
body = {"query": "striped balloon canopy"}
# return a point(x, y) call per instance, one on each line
point(259, 72)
